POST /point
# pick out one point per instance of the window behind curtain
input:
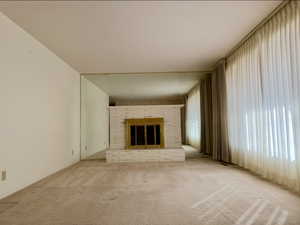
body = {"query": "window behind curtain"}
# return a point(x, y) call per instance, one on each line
point(193, 118)
point(263, 89)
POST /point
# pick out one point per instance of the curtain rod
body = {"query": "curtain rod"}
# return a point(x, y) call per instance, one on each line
point(257, 27)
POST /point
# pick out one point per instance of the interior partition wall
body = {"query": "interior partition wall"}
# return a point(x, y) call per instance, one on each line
point(94, 120)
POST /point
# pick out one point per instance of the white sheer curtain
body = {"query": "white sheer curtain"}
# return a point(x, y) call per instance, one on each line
point(193, 118)
point(263, 90)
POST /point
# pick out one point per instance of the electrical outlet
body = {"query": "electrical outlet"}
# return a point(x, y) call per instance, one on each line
point(3, 175)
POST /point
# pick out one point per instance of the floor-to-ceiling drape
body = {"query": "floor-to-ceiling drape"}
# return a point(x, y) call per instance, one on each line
point(263, 99)
point(220, 145)
point(206, 116)
point(193, 123)
point(214, 129)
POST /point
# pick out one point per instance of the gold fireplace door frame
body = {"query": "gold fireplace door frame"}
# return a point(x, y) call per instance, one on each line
point(144, 122)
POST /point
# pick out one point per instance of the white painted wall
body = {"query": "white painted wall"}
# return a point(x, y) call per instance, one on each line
point(40, 110)
point(170, 113)
point(94, 119)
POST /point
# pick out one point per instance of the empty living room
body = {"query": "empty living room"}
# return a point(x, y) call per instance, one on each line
point(150, 112)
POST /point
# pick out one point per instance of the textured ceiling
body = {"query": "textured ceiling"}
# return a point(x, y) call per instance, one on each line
point(145, 36)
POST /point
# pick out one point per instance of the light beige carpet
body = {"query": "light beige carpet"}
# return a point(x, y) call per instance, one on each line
point(197, 192)
point(191, 152)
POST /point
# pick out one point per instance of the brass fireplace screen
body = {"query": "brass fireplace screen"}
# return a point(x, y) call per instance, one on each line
point(144, 133)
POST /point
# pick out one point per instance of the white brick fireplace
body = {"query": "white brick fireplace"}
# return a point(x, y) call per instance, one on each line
point(172, 134)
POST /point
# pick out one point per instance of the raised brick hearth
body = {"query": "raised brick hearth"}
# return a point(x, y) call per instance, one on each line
point(145, 155)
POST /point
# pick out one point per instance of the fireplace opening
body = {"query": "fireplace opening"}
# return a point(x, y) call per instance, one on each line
point(144, 133)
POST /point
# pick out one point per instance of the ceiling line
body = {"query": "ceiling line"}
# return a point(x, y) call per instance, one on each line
point(257, 27)
point(252, 32)
point(103, 74)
